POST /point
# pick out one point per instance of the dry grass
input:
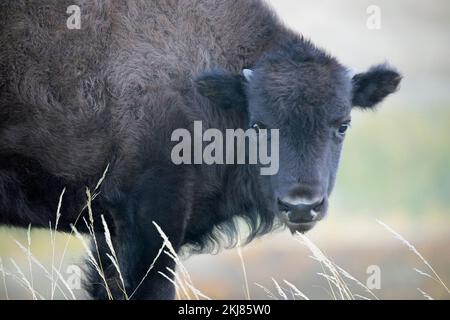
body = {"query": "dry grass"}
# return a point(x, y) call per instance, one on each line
point(341, 284)
point(434, 277)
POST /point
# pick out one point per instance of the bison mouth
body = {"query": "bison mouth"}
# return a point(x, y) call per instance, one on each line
point(297, 220)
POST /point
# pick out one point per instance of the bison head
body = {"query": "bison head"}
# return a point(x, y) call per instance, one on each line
point(309, 97)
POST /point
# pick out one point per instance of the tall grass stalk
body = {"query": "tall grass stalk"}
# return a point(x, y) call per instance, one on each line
point(416, 252)
point(331, 273)
point(26, 281)
point(426, 295)
point(2, 270)
point(69, 239)
point(241, 258)
point(36, 261)
point(53, 242)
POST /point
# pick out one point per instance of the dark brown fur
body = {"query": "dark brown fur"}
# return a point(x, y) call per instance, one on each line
point(74, 101)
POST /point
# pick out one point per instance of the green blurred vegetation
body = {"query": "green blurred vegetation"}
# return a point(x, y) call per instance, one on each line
point(396, 159)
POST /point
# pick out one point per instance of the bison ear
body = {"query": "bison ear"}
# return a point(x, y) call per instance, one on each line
point(223, 89)
point(372, 87)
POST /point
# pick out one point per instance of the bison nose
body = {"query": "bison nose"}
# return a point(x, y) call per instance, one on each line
point(302, 210)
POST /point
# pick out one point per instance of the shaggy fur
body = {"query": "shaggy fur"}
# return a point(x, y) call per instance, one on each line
point(74, 101)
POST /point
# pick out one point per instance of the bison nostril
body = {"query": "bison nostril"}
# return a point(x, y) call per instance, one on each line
point(284, 207)
point(319, 206)
point(299, 212)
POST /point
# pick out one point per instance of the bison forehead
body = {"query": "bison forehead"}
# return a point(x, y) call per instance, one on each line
point(289, 88)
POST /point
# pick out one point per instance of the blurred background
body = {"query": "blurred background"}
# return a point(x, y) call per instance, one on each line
point(395, 169)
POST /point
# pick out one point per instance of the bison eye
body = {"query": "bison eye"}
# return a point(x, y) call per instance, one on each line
point(343, 129)
point(258, 126)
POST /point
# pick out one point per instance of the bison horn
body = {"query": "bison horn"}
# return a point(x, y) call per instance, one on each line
point(248, 74)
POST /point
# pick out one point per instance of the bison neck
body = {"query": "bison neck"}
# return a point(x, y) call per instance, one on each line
point(226, 199)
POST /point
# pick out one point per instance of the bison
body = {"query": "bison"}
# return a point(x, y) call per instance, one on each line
point(73, 101)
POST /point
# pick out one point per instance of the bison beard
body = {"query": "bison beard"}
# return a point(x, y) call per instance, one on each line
point(74, 101)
